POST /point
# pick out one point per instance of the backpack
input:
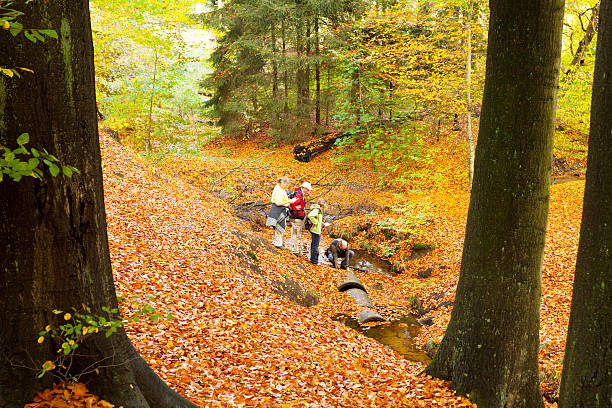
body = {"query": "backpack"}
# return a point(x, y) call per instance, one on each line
point(297, 209)
point(308, 224)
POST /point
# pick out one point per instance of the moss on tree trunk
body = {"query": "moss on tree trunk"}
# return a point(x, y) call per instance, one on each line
point(53, 243)
point(587, 367)
point(490, 350)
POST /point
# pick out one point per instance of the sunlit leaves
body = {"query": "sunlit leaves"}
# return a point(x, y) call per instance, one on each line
point(13, 164)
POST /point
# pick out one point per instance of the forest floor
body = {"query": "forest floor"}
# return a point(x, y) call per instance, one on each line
point(401, 221)
point(174, 236)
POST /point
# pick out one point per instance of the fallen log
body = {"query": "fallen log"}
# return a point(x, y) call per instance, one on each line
point(305, 151)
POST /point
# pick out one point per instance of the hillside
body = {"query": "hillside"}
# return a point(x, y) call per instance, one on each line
point(233, 341)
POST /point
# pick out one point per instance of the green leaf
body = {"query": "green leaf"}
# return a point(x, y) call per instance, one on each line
point(33, 163)
point(35, 153)
point(16, 28)
point(29, 36)
point(49, 33)
point(23, 139)
point(54, 170)
point(38, 36)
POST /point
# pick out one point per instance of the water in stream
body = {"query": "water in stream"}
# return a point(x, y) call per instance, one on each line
point(397, 335)
point(364, 261)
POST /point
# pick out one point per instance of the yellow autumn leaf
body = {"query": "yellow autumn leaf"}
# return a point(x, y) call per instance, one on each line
point(41, 339)
point(48, 365)
point(67, 316)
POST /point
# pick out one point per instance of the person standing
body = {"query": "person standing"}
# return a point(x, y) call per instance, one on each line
point(316, 218)
point(339, 254)
point(297, 214)
point(279, 210)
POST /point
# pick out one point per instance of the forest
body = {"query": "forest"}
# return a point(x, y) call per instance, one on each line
point(306, 203)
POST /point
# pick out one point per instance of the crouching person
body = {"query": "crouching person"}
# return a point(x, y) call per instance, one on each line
point(315, 217)
point(339, 254)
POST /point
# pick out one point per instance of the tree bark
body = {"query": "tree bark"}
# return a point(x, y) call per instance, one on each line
point(53, 244)
point(490, 350)
point(148, 141)
point(317, 73)
point(285, 75)
point(468, 94)
point(274, 64)
point(587, 367)
point(301, 74)
point(355, 96)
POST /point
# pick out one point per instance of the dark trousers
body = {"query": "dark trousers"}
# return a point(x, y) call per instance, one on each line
point(314, 247)
point(345, 261)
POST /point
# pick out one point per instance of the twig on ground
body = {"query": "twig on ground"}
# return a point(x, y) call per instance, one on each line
point(212, 184)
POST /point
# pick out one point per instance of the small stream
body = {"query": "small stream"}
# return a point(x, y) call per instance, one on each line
point(365, 261)
point(397, 335)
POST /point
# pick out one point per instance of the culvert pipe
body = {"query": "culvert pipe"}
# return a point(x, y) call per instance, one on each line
point(368, 315)
point(353, 285)
point(351, 281)
point(361, 297)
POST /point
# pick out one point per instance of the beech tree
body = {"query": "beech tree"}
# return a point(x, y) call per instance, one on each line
point(490, 350)
point(53, 242)
point(587, 367)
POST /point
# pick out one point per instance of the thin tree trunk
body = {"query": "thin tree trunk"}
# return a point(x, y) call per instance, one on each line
point(390, 101)
point(327, 95)
point(285, 75)
point(307, 58)
point(356, 94)
point(317, 73)
point(577, 60)
point(490, 349)
point(53, 243)
point(587, 367)
point(148, 141)
point(301, 72)
point(587, 39)
point(468, 95)
point(274, 65)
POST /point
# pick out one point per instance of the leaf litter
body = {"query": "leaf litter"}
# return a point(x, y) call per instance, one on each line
point(234, 342)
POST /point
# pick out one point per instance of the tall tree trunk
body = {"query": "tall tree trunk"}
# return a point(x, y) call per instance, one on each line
point(285, 74)
point(468, 94)
point(301, 72)
point(355, 96)
point(327, 95)
point(148, 141)
point(317, 73)
point(587, 367)
point(53, 243)
point(274, 64)
point(490, 350)
point(307, 63)
point(390, 100)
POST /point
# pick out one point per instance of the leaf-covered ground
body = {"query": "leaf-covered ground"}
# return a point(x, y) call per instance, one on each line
point(233, 341)
point(439, 212)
